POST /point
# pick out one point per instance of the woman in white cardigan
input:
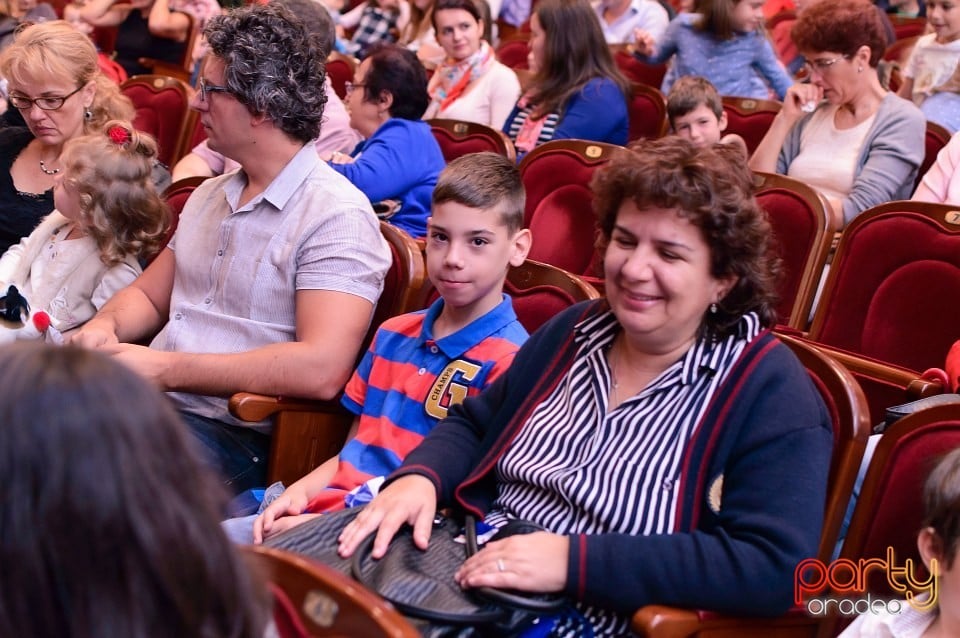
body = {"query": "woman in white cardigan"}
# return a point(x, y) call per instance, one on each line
point(470, 84)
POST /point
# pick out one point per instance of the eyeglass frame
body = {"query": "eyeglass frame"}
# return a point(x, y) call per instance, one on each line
point(30, 101)
point(348, 87)
point(210, 88)
point(822, 65)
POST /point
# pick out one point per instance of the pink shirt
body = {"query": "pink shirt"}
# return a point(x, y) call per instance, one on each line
point(335, 135)
point(941, 184)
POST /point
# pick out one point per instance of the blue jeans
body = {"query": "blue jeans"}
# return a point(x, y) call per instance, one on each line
point(238, 454)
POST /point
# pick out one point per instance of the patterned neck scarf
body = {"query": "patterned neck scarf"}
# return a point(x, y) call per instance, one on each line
point(452, 78)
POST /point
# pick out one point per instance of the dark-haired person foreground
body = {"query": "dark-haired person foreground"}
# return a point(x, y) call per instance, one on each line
point(108, 522)
point(400, 160)
point(270, 281)
point(674, 449)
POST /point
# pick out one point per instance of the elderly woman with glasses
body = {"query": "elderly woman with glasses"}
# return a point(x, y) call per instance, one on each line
point(55, 84)
point(843, 132)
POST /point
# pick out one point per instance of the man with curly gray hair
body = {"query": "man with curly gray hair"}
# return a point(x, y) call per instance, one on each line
point(270, 281)
point(336, 135)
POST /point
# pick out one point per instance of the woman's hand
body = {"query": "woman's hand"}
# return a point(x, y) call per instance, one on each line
point(800, 100)
point(411, 499)
point(292, 502)
point(527, 562)
point(341, 158)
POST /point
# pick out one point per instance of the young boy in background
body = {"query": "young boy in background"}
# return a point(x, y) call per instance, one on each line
point(421, 363)
point(695, 111)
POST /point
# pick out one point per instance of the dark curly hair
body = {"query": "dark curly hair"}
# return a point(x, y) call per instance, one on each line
point(273, 65)
point(841, 27)
point(713, 188)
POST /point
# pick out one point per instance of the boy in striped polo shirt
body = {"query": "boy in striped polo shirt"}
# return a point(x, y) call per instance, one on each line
point(421, 363)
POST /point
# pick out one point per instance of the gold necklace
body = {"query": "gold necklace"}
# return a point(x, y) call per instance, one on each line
point(614, 384)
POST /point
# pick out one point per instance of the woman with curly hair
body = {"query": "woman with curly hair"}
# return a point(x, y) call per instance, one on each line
point(108, 218)
point(843, 133)
point(672, 448)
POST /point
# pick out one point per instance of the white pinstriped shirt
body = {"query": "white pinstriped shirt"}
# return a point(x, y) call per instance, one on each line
point(576, 469)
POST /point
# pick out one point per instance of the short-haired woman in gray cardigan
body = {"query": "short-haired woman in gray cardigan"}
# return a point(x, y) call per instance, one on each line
point(843, 133)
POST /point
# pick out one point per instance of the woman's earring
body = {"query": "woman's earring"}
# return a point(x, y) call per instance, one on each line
point(713, 309)
point(860, 69)
point(88, 114)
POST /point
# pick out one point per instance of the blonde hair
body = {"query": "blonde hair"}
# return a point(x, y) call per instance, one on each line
point(121, 210)
point(56, 51)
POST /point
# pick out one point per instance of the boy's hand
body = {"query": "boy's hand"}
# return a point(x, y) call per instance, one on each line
point(644, 42)
point(285, 523)
point(292, 502)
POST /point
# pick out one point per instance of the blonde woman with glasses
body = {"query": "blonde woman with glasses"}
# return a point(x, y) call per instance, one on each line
point(54, 81)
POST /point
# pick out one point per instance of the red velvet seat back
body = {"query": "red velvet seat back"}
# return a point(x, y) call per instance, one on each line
point(513, 53)
point(457, 138)
point(161, 105)
point(889, 511)
point(802, 235)
point(795, 229)
point(176, 197)
point(641, 72)
point(894, 288)
point(749, 118)
point(538, 296)
point(559, 211)
point(340, 71)
point(647, 111)
point(933, 142)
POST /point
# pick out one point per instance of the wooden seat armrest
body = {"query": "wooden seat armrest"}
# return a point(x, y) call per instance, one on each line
point(660, 621)
point(665, 622)
point(305, 433)
point(251, 407)
point(916, 386)
point(921, 388)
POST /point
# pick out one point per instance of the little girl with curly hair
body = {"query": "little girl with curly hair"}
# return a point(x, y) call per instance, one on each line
point(108, 220)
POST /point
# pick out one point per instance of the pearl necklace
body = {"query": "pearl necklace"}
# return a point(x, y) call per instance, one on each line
point(48, 171)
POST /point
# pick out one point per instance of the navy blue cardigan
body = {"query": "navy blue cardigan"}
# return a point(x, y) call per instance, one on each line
point(752, 490)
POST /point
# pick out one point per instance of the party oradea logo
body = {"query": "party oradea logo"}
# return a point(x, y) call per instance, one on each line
point(841, 587)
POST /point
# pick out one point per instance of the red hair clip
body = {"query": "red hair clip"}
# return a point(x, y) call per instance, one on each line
point(119, 135)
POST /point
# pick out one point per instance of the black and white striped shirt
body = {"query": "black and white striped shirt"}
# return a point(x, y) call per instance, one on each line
point(577, 469)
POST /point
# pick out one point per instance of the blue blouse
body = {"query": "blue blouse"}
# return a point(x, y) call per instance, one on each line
point(598, 113)
point(400, 161)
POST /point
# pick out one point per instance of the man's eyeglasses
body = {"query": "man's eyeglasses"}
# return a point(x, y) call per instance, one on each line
point(47, 103)
point(822, 64)
point(210, 88)
point(350, 86)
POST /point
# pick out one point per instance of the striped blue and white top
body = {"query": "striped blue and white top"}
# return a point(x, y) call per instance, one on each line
point(577, 469)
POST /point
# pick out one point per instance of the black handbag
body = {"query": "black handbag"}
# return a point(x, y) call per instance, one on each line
point(419, 583)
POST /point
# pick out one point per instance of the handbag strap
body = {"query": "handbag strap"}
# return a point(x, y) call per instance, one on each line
point(537, 603)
